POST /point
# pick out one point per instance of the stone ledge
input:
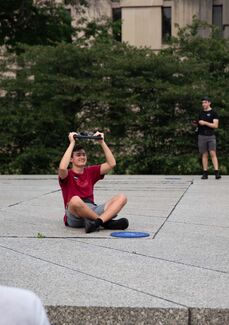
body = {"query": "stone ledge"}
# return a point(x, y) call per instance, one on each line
point(142, 3)
point(71, 315)
point(209, 316)
point(74, 315)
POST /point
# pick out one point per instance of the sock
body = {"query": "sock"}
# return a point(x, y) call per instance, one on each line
point(98, 222)
point(105, 223)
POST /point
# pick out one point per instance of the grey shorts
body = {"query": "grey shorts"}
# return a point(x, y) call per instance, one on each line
point(77, 222)
point(206, 143)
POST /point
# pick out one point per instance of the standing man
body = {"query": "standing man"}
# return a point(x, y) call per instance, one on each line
point(208, 122)
point(77, 185)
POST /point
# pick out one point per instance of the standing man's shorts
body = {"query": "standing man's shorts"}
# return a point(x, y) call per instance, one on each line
point(77, 222)
point(206, 143)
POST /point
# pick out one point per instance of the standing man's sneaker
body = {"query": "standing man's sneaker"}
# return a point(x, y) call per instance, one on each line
point(217, 175)
point(90, 226)
point(205, 175)
point(119, 224)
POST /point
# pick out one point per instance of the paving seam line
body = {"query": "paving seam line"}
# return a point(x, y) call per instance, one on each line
point(181, 197)
point(31, 199)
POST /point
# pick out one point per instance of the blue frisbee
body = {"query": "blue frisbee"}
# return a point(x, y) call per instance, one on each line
point(130, 234)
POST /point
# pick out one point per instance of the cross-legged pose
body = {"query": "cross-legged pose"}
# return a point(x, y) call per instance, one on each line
point(77, 185)
point(208, 122)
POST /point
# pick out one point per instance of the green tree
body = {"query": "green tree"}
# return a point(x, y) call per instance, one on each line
point(22, 21)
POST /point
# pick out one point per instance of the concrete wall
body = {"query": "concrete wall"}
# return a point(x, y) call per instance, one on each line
point(142, 27)
point(142, 21)
point(226, 18)
point(95, 10)
point(185, 10)
point(99, 8)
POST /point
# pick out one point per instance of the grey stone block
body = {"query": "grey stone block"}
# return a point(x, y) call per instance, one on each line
point(206, 316)
point(60, 315)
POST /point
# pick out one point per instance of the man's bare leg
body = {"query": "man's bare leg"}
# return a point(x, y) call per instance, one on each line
point(214, 159)
point(215, 163)
point(113, 207)
point(205, 161)
point(205, 165)
point(78, 207)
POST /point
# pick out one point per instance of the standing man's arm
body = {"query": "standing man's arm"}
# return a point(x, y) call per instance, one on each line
point(63, 167)
point(110, 159)
point(213, 125)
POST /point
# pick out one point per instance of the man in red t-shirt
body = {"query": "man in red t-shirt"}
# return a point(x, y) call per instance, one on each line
point(77, 185)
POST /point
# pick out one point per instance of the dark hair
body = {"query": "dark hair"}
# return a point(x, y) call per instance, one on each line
point(77, 147)
point(206, 98)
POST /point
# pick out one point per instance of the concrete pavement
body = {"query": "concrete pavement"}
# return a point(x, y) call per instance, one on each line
point(177, 275)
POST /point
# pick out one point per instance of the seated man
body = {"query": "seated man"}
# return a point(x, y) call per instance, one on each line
point(77, 185)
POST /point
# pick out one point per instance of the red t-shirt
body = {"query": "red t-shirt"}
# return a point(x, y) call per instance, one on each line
point(81, 185)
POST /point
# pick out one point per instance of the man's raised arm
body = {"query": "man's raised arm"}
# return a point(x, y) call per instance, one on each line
point(110, 159)
point(63, 167)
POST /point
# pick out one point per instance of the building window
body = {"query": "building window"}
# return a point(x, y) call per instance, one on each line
point(217, 18)
point(166, 24)
point(117, 23)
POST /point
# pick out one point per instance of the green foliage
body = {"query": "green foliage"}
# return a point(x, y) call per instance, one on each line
point(21, 21)
point(144, 102)
point(40, 235)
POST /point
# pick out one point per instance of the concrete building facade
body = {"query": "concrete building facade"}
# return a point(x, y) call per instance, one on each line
point(149, 22)
point(96, 9)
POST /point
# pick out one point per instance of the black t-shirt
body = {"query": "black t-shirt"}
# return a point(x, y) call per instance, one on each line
point(207, 116)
